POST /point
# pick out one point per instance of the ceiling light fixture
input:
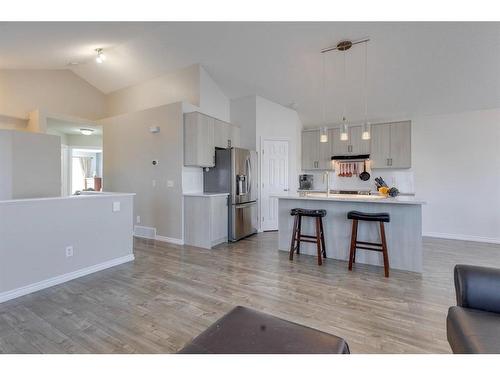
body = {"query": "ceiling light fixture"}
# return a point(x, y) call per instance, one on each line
point(87, 131)
point(344, 131)
point(101, 57)
point(366, 135)
point(323, 134)
point(343, 46)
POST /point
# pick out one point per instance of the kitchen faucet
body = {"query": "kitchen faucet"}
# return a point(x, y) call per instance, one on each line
point(326, 176)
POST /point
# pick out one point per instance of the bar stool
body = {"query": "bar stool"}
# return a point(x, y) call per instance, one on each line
point(298, 237)
point(382, 218)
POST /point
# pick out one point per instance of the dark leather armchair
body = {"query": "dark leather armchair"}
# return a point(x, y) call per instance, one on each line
point(473, 326)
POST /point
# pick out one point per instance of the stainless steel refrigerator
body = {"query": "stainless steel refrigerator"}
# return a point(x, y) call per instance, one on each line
point(235, 172)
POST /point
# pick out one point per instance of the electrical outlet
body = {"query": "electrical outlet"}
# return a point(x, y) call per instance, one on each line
point(138, 219)
point(69, 251)
point(153, 183)
point(170, 183)
point(116, 206)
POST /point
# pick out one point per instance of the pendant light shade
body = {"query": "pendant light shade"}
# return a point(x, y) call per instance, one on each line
point(323, 135)
point(366, 135)
point(344, 131)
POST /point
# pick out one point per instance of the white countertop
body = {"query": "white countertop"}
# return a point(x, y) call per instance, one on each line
point(206, 195)
point(353, 198)
point(84, 195)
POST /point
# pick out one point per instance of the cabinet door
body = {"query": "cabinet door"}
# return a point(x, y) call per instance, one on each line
point(222, 133)
point(235, 136)
point(325, 153)
point(338, 147)
point(199, 146)
point(358, 146)
point(380, 145)
point(310, 150)
point(400, 149)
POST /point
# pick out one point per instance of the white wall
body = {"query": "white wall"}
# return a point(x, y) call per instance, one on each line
point(35, 234)
point(213, 102)
point(129, 149)
point(276, 121)
point(181, 85)
point(57, 91)
point(244, 114)
point(259, 119)
point(456, 159)
point(31, 165)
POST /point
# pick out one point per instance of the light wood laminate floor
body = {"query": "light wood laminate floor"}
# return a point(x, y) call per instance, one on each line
point(170, 294)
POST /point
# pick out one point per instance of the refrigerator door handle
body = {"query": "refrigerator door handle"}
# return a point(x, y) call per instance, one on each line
point(249, 175)
point(243, 205)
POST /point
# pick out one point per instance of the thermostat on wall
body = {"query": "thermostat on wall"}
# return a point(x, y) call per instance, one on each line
point(154, 129)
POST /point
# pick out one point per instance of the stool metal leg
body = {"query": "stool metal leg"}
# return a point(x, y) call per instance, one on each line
point(322, 237)
point(294, 237)
point(318, 241)
point(354, 238)
point(384, 249)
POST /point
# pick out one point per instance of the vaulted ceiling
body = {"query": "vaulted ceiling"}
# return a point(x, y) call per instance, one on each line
point(413, 68)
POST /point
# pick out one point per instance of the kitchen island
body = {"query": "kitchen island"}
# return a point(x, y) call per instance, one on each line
point(404, 232)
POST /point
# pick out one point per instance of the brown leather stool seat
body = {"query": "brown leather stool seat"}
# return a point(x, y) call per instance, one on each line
point(309, 213)
point(246, 331)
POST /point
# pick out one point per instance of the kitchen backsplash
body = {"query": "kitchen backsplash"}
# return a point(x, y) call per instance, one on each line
point(402, 179)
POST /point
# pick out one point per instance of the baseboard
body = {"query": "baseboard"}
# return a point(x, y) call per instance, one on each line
point(18, 292)
point(462, 237)
point(176, 241)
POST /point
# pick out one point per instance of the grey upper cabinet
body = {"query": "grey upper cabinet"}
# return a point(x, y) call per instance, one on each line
point(391, 145)
point(226, 135)
point(199, 140)
point(357, 145)
point(353, 146)
point(381, 149)
point(222, 133)
point(338, 147)
point(401, 145)
point(310, 150)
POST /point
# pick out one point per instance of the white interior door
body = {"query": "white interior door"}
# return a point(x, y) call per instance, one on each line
point(274, 180)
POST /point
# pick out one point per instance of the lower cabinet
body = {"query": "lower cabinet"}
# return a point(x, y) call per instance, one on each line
point(205, 219)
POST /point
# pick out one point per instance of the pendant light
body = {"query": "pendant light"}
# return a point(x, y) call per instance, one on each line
point(323, 133)
point(344, 130)
point(366, 134)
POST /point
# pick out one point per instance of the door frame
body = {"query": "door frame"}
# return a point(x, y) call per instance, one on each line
point(261, 146)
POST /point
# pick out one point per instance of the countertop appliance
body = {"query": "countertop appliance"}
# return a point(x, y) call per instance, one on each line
point(305, 181)
point(351, 192)
point(235, 172)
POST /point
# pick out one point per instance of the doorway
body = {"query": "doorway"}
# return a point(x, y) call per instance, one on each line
point(86, 169)
point(274, 180)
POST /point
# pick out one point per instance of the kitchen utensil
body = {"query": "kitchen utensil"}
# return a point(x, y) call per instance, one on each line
point(364, 176)
point(350, 170)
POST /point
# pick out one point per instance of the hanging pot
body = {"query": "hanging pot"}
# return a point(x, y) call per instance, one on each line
point(364, 176)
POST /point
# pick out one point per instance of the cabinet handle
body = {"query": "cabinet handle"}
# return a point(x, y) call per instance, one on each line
point(391, 162)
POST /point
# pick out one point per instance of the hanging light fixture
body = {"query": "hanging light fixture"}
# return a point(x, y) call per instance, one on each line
point(343, 46)
point(323, 133)
point(366, 134)
point(101, 57)
point(344, 130)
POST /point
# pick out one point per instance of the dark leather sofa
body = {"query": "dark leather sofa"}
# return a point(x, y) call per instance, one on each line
point(473, 326)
